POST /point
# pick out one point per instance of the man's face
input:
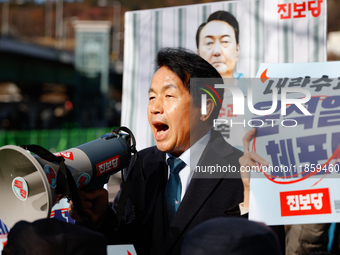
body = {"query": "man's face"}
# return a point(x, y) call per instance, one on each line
point(217, 45)
point(169, 112)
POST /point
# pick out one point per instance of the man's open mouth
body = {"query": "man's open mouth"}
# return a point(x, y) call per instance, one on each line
point(161, 129)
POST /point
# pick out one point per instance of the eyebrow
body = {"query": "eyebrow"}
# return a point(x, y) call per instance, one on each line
point(168, 86)
point(211, 36)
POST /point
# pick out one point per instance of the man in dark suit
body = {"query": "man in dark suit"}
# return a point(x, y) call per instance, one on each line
point(149, 220)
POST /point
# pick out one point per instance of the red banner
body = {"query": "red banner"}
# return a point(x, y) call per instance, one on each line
point(305, 202)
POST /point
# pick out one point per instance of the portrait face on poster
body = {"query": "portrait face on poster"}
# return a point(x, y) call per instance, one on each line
point(218, 44)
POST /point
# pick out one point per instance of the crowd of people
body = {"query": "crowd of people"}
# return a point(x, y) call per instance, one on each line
point(163, 207)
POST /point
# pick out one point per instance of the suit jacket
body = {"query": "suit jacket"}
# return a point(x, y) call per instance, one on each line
point(145, 218)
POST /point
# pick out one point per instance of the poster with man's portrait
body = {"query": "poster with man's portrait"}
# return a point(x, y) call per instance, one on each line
point(234, 36)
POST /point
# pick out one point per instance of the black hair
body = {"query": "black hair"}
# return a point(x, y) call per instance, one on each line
point(188, 65)
point(223, 16)
point(198, 34)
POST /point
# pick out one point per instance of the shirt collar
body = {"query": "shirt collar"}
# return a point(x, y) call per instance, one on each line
point(193, 154)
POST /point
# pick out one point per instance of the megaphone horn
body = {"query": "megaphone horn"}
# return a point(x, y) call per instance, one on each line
point(29, 184)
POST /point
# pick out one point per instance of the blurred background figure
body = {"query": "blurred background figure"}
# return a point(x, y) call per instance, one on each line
point(306, 239)
point(53, 237)
point(231, 236)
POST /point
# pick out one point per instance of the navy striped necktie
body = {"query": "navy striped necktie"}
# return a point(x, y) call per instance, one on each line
point(173, 187)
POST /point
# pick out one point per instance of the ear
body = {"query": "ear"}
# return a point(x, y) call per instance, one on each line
point(238, 50)
point(210, 107)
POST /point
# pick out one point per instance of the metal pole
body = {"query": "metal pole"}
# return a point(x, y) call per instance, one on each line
point(116, 30)
point(5, 16)
point(59, 23)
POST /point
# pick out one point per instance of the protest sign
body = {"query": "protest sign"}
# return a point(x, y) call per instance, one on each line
point(300, 138)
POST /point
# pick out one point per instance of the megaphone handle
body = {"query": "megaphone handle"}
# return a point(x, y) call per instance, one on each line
point(74, 194)
point(126, 190)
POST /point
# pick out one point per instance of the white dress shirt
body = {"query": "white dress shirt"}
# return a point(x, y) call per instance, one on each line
point(190, 157)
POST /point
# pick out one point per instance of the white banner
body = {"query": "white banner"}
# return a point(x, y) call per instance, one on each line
point(302, 144)
point(270, 31)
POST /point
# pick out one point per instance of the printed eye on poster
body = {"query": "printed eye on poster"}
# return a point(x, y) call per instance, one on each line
point(258, 31)
point(300, 139)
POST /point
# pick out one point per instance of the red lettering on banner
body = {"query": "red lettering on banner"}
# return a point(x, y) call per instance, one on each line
point(3, 244)
point(282, 8)
point(300, 9)
point(305, 202)
point(315, 10)
point(107, 165)
point(65, 154)
point(18, 184)
point(230, 111)
point(222, 112)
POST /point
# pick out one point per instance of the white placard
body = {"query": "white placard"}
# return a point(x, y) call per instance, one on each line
point(127, 249)
point(301, 185)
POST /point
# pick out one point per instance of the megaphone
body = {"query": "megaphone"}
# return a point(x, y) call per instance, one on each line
point(29, 183)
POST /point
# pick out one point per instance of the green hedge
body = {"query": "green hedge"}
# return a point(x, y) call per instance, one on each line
point(52, 140)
